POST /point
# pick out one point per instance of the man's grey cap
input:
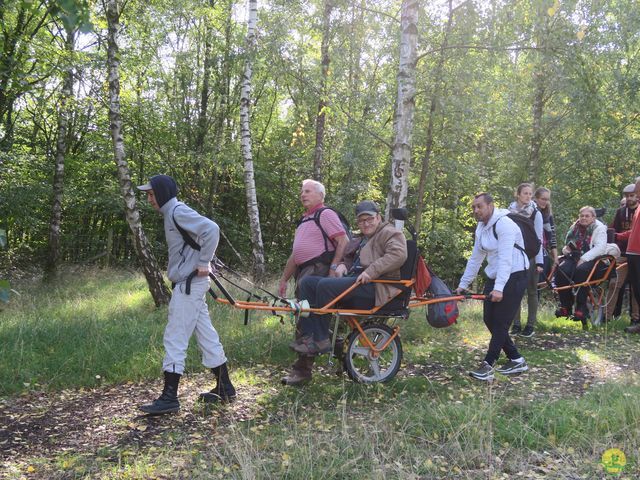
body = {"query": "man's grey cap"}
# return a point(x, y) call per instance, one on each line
point(146, 187)
point(367, 207)
point(629, 188)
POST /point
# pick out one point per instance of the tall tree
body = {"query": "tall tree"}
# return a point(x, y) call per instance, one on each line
point(405, 106)
point(64, 106)
point(325, 60)
point(435, 98)
point(152, 273)
point(20, 22)
point(245, 131)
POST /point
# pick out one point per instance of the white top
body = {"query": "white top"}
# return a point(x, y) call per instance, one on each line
point(503, 258)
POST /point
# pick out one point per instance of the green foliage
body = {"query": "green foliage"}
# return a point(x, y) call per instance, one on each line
point(482, 87)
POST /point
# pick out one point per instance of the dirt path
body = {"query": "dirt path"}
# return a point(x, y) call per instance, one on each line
point(105, 421)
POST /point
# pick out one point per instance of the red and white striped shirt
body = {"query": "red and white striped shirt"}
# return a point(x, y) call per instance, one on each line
point(309, 242)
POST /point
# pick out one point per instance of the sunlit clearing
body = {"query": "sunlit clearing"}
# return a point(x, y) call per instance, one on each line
point(600, 367)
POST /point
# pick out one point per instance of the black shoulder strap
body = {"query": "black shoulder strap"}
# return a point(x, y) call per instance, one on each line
point(495, 234)
point(188, 239)
point(316, 220)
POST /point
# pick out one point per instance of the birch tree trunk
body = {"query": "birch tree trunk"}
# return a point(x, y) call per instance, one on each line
point(157, 287)
point(318, 157)
point(245, 130)
point(405, 106)
point(55, 222)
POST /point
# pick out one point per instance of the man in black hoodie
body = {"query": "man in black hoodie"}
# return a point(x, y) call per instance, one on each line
point(192, 241)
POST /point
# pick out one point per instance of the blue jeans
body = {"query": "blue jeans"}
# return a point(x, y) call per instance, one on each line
point(321, 290)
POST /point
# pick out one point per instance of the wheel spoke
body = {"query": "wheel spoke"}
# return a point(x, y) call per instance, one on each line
point(364, 351)
point(375, 367)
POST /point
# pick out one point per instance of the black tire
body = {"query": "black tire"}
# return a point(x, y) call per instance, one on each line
point(361, 366)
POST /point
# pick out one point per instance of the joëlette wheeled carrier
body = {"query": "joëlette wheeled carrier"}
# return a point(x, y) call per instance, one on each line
point(372, 350)
point(599, 279)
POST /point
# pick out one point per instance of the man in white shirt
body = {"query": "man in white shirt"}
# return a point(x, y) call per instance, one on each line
point(499, 240)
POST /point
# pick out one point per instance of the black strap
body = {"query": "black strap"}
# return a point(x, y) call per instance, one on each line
point(316, 219)
point(495, 234)
point(188, 239)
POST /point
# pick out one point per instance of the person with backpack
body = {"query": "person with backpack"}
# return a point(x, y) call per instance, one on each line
point(525, 206)
point(192, 241)
point(500, 240)
point(378, 254)
point(586, 240)
point(318, 248)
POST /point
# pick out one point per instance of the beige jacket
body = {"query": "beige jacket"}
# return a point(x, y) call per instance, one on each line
point(382, 257)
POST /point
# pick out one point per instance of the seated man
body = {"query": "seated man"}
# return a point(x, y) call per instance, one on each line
point(379, 253)
point(586, 240)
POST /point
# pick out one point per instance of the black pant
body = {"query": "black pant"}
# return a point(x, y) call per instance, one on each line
point(498, 316)
point(569, 271)
point(633, 275)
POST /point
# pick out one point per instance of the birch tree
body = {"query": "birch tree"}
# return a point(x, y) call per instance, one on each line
point(405, 106)
point(245, 131)
point(152, 273)
point(66, 97)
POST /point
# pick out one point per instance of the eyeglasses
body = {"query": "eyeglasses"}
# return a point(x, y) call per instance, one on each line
point(366, 221)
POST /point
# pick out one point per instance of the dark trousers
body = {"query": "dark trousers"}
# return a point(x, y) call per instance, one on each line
point(498, 316)
point(633, 275)
point(321, 290)
point(569, 271)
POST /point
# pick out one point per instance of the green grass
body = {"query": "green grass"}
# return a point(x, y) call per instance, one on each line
point(581, 397)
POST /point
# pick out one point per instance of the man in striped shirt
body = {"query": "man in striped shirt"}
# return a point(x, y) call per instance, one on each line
point(318, 248)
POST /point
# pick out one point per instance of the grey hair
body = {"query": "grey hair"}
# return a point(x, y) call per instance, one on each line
point(319, 187)
point(588, 209)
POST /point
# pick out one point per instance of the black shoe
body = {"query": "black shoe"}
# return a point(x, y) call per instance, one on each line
point(484, 372)
point(563, 312)
point(515, 330)
point(162, 405)
point(527, 332)
point(224, 392)
point(513, 366)
point(167, 402)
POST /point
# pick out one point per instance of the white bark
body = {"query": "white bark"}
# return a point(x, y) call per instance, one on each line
point(405, 106)
point(245, 131)
point(158, 289)
point(55, 223)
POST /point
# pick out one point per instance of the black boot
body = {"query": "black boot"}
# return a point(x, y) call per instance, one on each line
point(224, 391)
point(167, 402)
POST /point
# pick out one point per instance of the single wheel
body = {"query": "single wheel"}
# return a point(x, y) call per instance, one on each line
point(360, 361)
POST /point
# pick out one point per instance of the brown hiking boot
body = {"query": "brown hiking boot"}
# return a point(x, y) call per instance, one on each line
point(297, 377)
point(311, 347)
point(633, 328)
point(300, 372)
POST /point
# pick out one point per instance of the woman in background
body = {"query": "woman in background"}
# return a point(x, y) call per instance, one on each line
point(525, 206)
point(542, 198)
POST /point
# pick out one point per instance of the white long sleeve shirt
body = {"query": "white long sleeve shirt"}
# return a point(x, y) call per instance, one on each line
point(503, 258)
point(538, 225)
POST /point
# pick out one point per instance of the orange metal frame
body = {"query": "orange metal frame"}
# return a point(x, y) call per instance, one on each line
point(352, 314)
point(590, 281)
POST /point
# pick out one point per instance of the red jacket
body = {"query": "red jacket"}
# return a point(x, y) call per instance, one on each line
point(633, 235)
